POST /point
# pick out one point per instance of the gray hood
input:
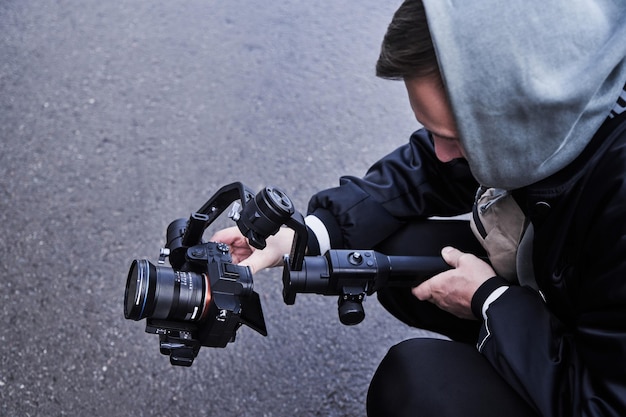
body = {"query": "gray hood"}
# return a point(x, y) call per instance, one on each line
point(529, 81)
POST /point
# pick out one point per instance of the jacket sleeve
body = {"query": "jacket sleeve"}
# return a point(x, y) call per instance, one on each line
point(407, 184)
point(567, 355)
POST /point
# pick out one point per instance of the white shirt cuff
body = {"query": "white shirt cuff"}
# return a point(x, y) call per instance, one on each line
point(320, 232)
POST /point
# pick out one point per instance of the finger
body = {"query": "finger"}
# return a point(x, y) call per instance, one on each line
point(228, 235)
point(423, 291)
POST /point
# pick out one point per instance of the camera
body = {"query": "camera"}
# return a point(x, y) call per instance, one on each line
point(203, 299)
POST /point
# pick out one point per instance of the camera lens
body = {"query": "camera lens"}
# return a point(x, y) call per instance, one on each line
point(163, 293)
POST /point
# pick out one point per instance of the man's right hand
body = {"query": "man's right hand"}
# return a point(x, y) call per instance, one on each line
point(256, 259)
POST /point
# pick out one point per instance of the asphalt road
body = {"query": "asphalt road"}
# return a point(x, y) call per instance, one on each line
point(117, 117)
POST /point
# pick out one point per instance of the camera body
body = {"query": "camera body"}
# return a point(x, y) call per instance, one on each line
point(209, 300)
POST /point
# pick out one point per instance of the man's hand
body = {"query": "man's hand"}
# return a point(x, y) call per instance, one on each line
point(244, 254)
point(453, 290)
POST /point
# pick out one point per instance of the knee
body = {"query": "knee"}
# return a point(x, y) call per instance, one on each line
point(404, 379)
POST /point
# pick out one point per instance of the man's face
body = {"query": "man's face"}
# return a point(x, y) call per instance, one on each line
point(432, 109)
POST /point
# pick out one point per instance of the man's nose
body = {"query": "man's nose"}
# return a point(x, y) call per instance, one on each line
point(447, 150)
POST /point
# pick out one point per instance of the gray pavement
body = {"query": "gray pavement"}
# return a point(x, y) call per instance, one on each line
point(117, 117)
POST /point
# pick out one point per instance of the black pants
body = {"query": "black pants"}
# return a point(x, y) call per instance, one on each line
point(435, 377)
point(440, 378)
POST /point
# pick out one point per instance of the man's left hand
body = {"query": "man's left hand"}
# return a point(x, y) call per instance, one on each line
point(453, 290)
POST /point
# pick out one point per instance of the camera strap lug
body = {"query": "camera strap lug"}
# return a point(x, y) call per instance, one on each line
point(164, 253)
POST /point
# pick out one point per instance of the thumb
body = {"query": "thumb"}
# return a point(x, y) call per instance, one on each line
point(250, 264)
point(259, 260)
point(451, 256)
point(253, 263)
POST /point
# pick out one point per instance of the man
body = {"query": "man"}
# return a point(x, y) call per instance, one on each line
point(524, 102)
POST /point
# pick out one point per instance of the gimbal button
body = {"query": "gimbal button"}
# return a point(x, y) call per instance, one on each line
point(355, 258)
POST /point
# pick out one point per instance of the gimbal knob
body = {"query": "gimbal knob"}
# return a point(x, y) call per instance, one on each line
point(264, 215)
point(351, 310)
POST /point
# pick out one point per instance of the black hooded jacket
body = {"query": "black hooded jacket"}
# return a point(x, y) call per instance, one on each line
point(562, 348)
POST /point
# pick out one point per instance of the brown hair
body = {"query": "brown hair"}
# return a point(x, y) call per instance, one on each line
point(407, 49)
